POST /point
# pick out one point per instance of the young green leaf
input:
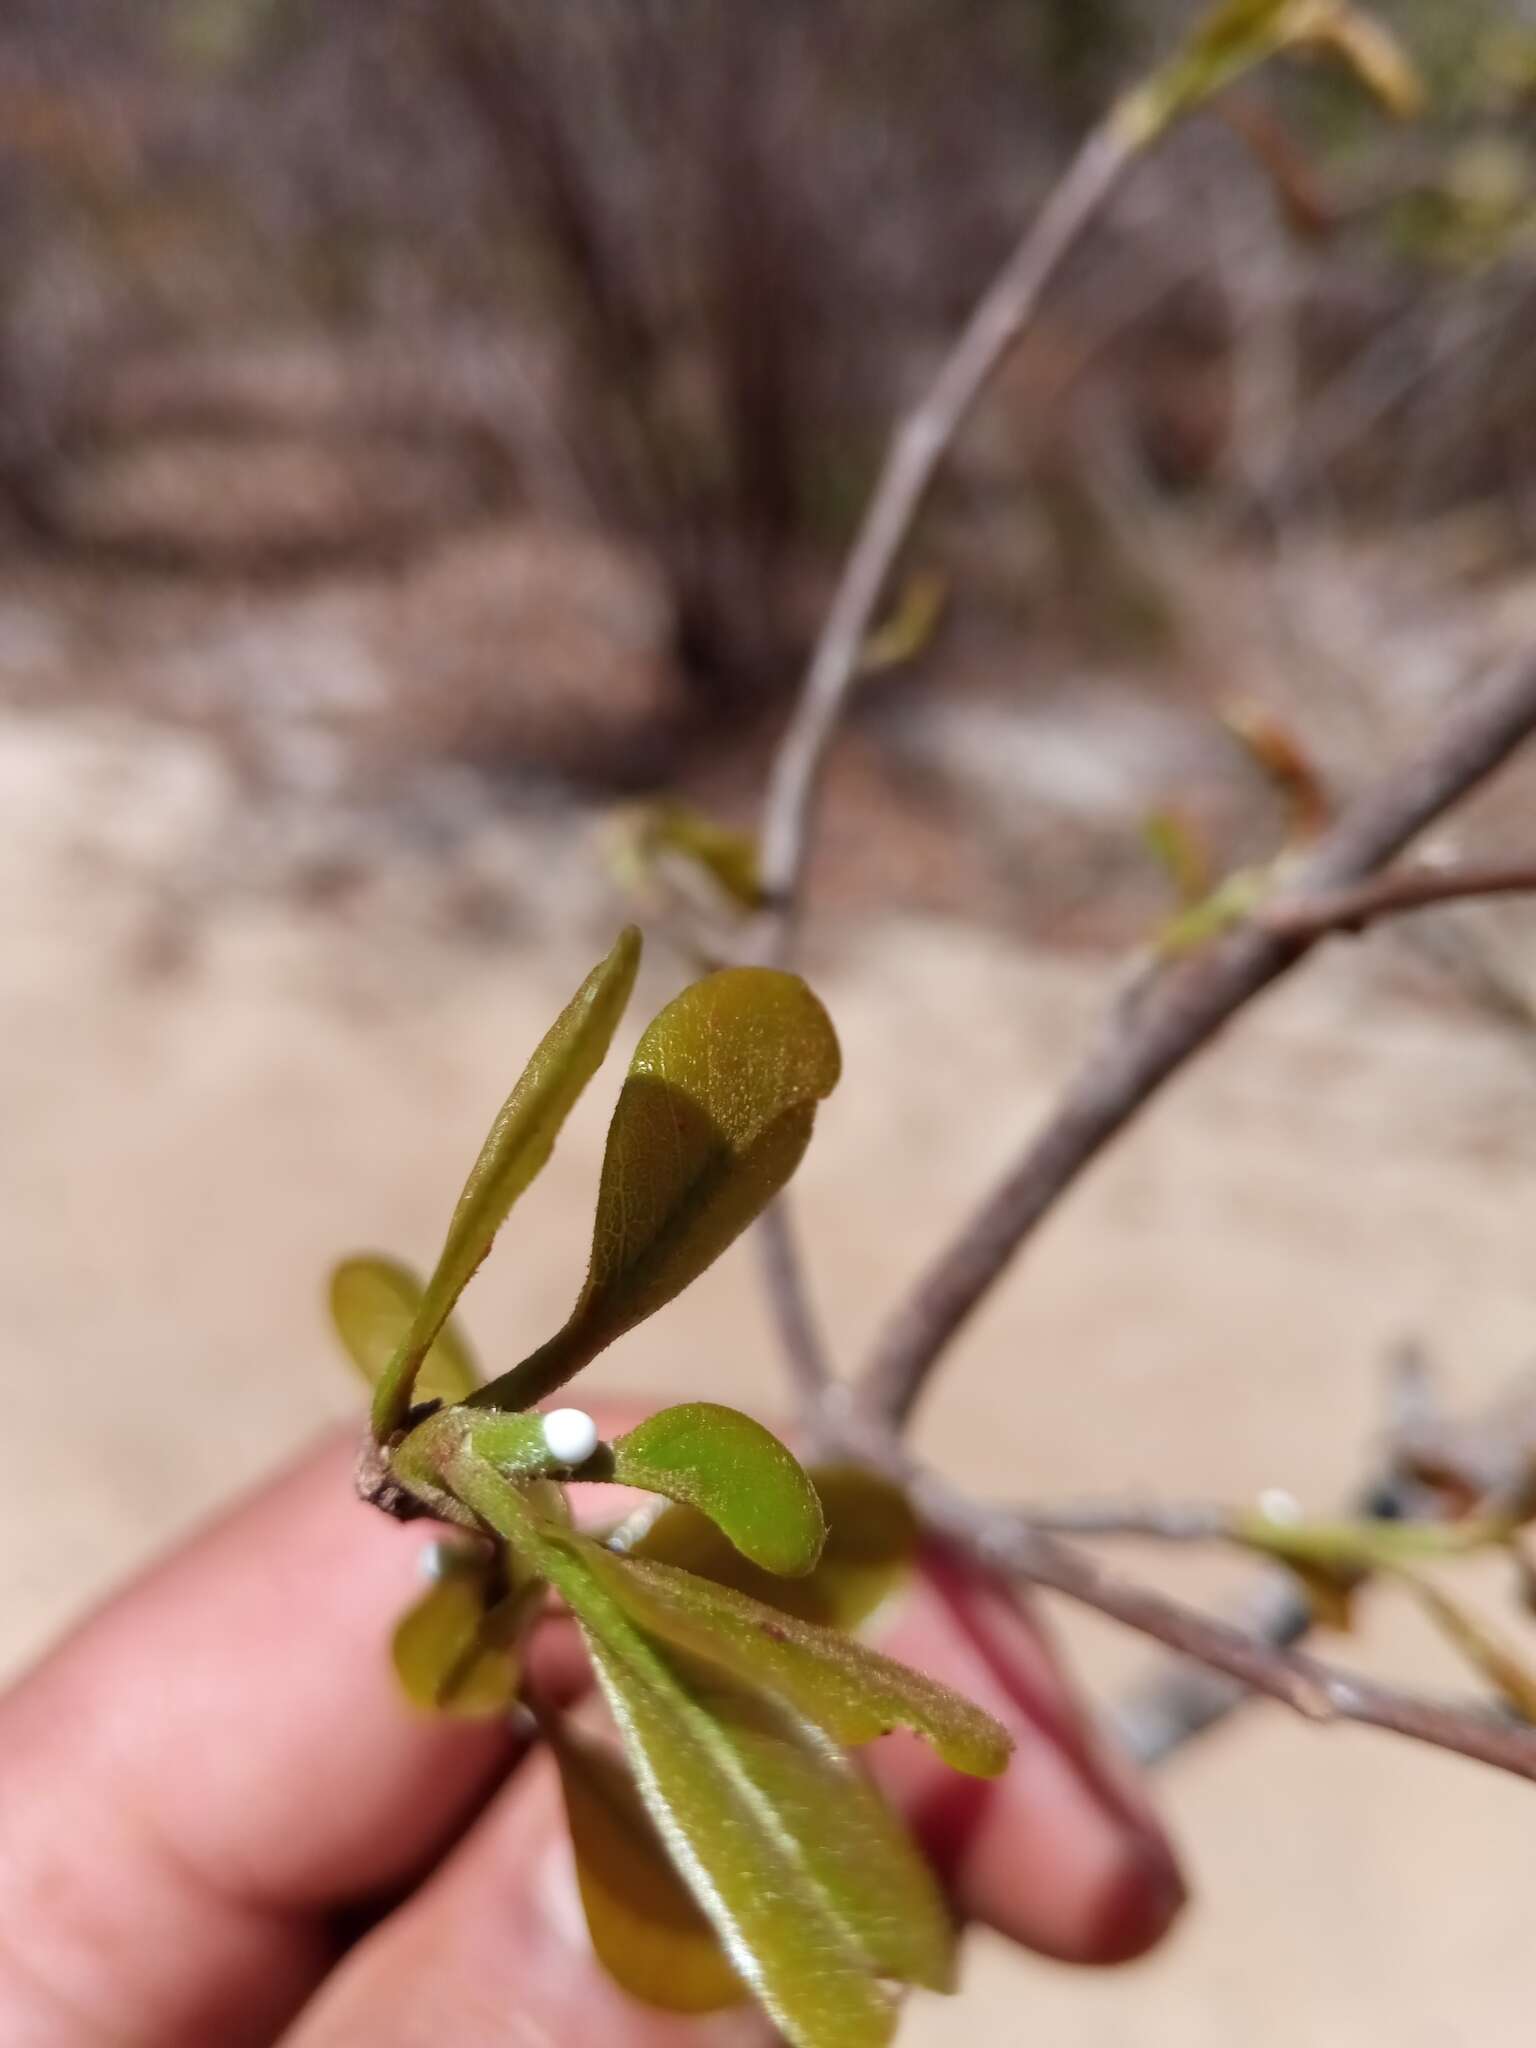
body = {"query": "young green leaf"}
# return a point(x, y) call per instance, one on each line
point(788, 1849)
point(727, 857)
point(711, 1122)
point(731, 1469)
point(855, 1848)
point(520, 1141)
point(851, 1691)
point(910, 626)
point(647, 1930)
point(750, 1801)
point(1238, 35)
point(871, 1540)
point(457, 1650)
point(374, 1301)
point(1482, 1647)
point(1366, 1545)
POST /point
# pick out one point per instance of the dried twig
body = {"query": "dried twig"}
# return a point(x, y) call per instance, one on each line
point(916, 450)
point(1174, 1010)
point(1417, 888)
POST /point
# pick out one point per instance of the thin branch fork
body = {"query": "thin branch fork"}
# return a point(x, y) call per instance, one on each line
point(1174, 1010)
point(1319, 1691)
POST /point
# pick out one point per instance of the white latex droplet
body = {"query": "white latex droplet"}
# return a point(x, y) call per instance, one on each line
point(570, 1435)
point(1276, 1505)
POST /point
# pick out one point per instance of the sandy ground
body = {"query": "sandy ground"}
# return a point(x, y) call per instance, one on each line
point(191, 1132)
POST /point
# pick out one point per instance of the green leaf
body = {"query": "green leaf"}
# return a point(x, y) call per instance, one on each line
point(727, 857)
point(1368, 1545)
point(1479, 1644)
point(711, 1122)
point(520, 1141)
point(456, 1651)
point(647, 1930)
point(761, 1812)
point(871, 1540)
point(374, 1301)
point(851, 1691)
point(731, 1469)
point(806, 1876)
point(1180, 848)
point(909, 629)
point(1238, 35)
point(855, 1847)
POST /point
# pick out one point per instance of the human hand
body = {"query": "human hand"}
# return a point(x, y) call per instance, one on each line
point(220, 1827)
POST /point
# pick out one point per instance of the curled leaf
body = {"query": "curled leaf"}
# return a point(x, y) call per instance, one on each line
point(731, 1469)
point(1238, 35)
point(1376, 57)
point(1279, 754)
point(373, 1302)
point(678, 831)
point(647, 1930)
point(851, 1691)
point(520, 1141)
point(905, 634)
point(456, 1650)
point(871, 1541)
point(711, 1122)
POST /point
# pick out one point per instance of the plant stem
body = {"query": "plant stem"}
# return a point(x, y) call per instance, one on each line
point(1171, 1013)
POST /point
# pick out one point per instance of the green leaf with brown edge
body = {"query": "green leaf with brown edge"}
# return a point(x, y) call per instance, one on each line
point(872, 1537)
point(374, 1300)
point(784, 1843)
point(731, 1469)
point(712, 1120)
point(647, 1930)
point(520, 1141)
point(845, 1687)
point(457, 1650)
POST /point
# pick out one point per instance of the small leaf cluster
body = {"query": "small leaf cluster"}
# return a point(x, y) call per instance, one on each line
point(727, 1846)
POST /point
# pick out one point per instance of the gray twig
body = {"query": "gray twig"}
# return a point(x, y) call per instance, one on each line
point(916, 450)
point(1310, 1686)
point(1174, 1010)
point(784, 1277)
point(1367, 903)
point(1151, 1520)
